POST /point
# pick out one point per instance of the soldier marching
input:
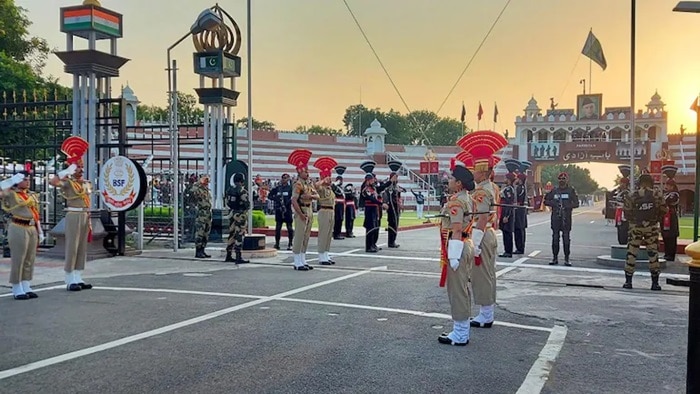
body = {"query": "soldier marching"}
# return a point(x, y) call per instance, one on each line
point(201, 196)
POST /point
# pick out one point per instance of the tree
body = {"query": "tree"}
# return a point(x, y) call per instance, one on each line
point(579, 178)
point(188, 109)
point(15, 41)
point(257, 124)
point(320, 130)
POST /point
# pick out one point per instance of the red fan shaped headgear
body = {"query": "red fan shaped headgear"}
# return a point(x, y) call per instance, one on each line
point(300, 159)
point(326, 165)
point(563, 175)
point(466, 159)
point(74, 148)
point(482, 145)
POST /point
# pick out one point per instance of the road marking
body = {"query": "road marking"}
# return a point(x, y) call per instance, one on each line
point(514, 265)
point(133, 338)
point(592, 270)
point(38, 290)
point(318, 302)
point(540, 370)
point(592, 221)
point(535, 253)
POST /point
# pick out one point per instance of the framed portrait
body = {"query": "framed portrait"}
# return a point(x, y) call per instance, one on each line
point(590, 106)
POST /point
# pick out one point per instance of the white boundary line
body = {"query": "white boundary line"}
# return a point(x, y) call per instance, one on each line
point(514, 265)
point(535, 253)
point(133, 338)
point(539, 373)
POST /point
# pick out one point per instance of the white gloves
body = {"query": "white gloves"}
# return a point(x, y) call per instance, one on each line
point(454, 252)
point(41, 235)
point(13, 180)
point(68, 171)
point(477, 236)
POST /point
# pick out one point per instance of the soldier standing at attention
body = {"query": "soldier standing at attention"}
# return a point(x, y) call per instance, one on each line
point(303, 193)
point(326, 201)
point(644, 209)
point(621, 223)
point(669, 224)
point(562, 200)
point(282, 197)
point(457, 222)
point(393, 202)
point(350, 210)
point(201, 195)
point(482, 145)
point(76, 191)
point(521, 213)
point(24, 232)
point(370, 200)
point(507, 217)
point(239, 203)
point(339, 203)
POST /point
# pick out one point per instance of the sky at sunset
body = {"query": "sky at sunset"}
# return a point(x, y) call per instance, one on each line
point(310, 62)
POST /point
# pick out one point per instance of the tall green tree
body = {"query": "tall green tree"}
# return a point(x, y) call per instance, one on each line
point(257, 124)
point(15, 40)
point(579, 178)
point(320, 130)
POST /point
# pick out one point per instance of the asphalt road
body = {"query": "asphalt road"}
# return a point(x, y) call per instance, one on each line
point(164, 322)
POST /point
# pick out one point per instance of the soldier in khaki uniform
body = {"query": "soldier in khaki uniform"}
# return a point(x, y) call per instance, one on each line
point(303, 193)
point(76, 192)
point(326, 208)
point(457, 223)
point(482, 146)
point(644, 209)
point(24, 231)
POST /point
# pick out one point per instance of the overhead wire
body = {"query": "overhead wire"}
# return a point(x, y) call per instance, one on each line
point(476, 52)
point(568, 80)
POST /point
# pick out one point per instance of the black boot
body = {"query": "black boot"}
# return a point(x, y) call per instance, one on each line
point(566, 261)
point(239, 259)
point(628, 281)
point(655, 282)
point(205, 253)
point(200, 254)
point(229, 258)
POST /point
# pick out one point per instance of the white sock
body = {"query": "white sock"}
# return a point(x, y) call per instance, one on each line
point(17, 289)
point(78, 276)
point(26, 287)
point(460, 331)
point(69, 278)
point(303, 258)
point(486, 312)
point(297, 260)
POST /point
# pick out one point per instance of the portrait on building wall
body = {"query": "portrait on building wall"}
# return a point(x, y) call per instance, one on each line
point(590, 106)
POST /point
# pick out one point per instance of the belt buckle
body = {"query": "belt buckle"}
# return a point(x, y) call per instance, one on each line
point(32, 222)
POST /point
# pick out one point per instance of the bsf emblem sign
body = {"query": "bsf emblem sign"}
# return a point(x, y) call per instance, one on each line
point(123, 184)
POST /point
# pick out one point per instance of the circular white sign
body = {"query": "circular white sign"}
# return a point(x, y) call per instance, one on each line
point(121, 184)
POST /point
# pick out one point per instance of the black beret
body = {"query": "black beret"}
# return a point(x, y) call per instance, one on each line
point(463, 175)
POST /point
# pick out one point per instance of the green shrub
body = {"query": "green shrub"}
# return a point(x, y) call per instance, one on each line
point(259, 219)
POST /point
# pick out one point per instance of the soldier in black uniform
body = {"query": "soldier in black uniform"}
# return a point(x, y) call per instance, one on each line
point(281, 195)
point(369, 198)
point(339, 208)
point(669, 224)
point(562, 200)
point(521, 213)
point(238, 201)
point(350, 210)
point(506, 221)
point(392, 198)
point(619, 196)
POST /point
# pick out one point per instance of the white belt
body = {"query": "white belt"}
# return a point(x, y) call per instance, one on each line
point(69, 209)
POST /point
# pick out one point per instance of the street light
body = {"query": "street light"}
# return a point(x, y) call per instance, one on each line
point(692, 378)
point(206, 20)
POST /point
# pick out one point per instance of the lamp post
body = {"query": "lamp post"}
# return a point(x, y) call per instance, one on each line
point(250, 121)
point(206, 20)
point(692, 379)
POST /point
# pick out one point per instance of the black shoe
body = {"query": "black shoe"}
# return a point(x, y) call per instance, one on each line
point(447, 341)
point(554, 262)
point(308, 267)
point(74, 287)
point(325, 263)
point(331, 261)
point(199, 254)
point(394, 246)
point(519, 252)
point(505, 255)
point(372, 250)
point(351, 235)
point(205, 254)
point(302, 268)
point(339, 237)
point(229, 258)
point(473, 323)
point(277, 246)
point(32, 294)
point(85, 286)
point(21, 297)
point(289, 247)
point(567, 263)
point(654, 282)
point(239, 258)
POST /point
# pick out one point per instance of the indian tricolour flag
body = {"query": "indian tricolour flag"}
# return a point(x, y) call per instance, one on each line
point(87, 19)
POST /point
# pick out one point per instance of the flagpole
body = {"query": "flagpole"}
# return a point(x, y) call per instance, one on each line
point(590, 73)
point(632, 110)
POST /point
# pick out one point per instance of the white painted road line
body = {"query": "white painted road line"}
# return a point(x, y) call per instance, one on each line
point(592, 221)
point(535, 253)
point(172, 327)
point(513, 266)
point(38, 290)
point(540, 370)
